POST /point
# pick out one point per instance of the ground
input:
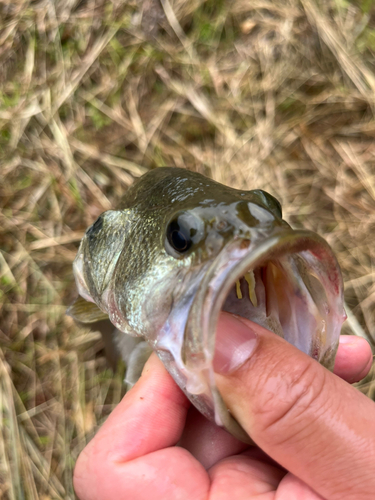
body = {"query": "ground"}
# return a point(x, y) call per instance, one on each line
point(261, 94)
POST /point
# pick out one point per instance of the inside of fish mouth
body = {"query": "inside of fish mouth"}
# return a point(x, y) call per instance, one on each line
point(285, 296)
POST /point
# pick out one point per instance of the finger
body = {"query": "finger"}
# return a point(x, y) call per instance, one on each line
point(353, 359)
point(206, 441)
point(165, 474)
point(209, 443)
point(292, 488)
point(131, 456)
point(310, 421)
point(244, 478)
point(150, 417)
point(252, 475)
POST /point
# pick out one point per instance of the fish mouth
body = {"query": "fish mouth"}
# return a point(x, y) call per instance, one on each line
point(289, 283)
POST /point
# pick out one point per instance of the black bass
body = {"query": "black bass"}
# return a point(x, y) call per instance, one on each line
point(179, 249)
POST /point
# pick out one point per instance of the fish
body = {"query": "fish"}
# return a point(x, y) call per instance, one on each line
point(179, 249)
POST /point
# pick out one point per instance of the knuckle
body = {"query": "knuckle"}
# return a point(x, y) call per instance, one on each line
point(290, 400)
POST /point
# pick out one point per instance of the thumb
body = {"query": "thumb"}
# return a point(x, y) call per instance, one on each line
point(309, 420)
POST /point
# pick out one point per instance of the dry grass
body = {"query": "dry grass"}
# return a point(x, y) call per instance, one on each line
point(266, 94)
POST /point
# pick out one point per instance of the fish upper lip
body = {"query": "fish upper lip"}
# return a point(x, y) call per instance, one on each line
point(232, 263)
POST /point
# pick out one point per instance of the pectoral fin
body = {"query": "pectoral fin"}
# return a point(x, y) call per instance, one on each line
point(136, 362)
point(85, 312)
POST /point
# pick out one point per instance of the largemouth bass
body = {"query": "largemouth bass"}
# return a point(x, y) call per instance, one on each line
point(179, 249)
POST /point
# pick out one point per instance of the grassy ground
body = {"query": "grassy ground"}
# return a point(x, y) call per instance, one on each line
point(261, 93)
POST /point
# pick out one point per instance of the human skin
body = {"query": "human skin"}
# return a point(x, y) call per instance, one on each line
point(315, 432)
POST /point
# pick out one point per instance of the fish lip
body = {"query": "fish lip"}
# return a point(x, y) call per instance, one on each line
point(200, 330)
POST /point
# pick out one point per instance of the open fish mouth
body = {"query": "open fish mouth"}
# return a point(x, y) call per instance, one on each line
point(289, 283)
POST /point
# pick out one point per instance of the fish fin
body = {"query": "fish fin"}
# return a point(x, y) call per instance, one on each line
point(108, 332)
point(85, 312)
point(136, 362)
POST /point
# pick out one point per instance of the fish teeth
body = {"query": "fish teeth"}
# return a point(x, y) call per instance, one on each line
point(250, 279)
point(238, 289)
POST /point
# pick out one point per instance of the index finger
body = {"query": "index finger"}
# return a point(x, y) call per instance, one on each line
point(156, 406)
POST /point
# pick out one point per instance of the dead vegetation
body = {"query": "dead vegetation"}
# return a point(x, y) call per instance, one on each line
point(274, 95)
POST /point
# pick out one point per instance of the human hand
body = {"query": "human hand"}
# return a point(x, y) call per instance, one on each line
point(319, 431)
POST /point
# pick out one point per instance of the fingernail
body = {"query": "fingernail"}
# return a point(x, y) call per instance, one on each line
point(235, 343)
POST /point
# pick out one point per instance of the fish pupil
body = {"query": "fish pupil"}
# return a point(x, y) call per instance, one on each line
point(179, 241)
point(179, 237)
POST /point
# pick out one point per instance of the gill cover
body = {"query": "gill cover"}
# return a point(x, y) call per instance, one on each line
point(95, 264)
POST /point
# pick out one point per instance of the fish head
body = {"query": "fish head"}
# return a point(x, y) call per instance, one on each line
point(181, 248)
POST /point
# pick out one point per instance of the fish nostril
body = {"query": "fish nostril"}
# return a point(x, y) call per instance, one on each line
point(221, 225)
point(245, 243)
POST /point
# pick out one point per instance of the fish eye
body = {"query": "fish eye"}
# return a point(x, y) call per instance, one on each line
point(179, 237)
point(183, 231)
